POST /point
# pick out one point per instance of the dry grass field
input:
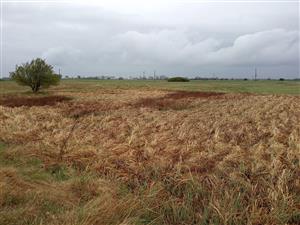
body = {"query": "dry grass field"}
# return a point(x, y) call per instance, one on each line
point(98, 156)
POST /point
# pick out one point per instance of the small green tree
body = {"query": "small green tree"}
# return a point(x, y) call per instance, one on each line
point(36, 74)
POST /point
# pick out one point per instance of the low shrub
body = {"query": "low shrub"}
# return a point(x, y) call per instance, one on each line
point(178, 79)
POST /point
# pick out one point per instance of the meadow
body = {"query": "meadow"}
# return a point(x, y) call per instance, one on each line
point(93, 152)
point(228, 86)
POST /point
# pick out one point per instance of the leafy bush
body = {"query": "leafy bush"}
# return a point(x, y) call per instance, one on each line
point(35, 74)
point(178, 79)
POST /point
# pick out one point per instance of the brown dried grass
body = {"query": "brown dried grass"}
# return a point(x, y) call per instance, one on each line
point(229, 159)
point(18, 101)
point(192, 94)
point(175, 100)
point(82, 108)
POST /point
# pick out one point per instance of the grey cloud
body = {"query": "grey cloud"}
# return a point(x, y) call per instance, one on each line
point(59, 56)
point(193, 39)
point(173, 47)
point(263, 48)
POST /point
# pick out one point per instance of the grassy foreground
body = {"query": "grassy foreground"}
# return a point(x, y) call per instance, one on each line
point(134, 152)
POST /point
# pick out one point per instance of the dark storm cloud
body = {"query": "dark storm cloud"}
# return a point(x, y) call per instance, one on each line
point(190, 39)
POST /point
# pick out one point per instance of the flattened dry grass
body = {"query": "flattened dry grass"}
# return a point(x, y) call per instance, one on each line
point(135, 157)
point(18, 101)
point(176, 100)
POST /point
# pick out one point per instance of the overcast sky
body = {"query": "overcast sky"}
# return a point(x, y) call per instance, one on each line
point(125, 38)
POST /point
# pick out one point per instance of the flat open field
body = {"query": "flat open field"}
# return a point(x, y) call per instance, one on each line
point(228, 86)
point(150, 152)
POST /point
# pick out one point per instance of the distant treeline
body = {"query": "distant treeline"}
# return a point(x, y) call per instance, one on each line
point(117, 77)
point(162, 77)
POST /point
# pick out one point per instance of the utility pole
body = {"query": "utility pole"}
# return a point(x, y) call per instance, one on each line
point(154, 74)
point(255, 74)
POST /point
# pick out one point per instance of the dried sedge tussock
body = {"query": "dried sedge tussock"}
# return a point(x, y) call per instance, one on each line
point(79, 109)
point(116, 96)
point(15, 190)
point(18, 101)
point(87, 187)
point(110, 210)
point(23, 125)
point(81, 159)
point(10, 177)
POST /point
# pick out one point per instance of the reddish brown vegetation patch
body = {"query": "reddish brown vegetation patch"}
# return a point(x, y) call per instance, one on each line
point(192, 94)
point(18, 101)
point(174, 100)
point(160, 103)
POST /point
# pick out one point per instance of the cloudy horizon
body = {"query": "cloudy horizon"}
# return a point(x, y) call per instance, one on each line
point(224, 39)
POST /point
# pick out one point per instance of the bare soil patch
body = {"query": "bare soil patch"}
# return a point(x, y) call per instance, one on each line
point(17, 101)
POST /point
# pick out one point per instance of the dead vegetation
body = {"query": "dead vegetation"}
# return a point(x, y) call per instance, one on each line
point(175, 100)
point(18, 101)
point(160, 104)
point(224, 159)
point(192, 94)
point(81, 108)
